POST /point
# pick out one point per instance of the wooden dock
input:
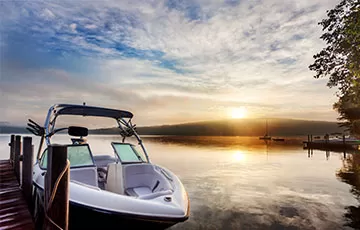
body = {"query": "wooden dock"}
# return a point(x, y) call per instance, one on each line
point(16, 188)
point(331, 144)
point(14, 212)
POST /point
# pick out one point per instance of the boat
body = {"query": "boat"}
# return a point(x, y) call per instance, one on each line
point(266, 136)
point(122, 189)
point(278, 139)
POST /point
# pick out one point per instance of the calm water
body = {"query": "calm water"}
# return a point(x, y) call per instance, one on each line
point(244, 183)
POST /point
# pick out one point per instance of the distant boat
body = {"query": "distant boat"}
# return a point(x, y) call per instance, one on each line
point(266, 136)
point(278, 139)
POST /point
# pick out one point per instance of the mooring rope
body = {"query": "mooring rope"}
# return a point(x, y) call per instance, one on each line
point(53, 194)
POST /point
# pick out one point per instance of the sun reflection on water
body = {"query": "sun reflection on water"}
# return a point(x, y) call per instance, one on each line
point(239, 156)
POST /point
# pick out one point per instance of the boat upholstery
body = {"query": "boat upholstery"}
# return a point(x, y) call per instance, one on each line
point(144, 182)
point(137, 180)
point(102, 162)
point(138, 191)
point(114, 178)
point(86, 175)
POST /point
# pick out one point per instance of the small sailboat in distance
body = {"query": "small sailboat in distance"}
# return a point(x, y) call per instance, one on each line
point(266, 136)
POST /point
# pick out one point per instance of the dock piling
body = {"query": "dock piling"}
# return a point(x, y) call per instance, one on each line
point(57, 191)
point(27, 170)
point(17, 157)
point(12, 149)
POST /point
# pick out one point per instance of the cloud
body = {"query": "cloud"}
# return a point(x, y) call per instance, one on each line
point(73, 27)
point(47, 14)
point(170, 57)
point(90, 26)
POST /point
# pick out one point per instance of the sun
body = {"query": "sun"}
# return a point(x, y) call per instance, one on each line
point(238, 112)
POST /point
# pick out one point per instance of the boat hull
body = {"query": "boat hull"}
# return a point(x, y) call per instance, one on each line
point(86, 217)
point(82, 217)
point(265, 138)
point(278, 139)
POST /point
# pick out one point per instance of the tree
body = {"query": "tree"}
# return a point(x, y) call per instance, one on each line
point(340, 60)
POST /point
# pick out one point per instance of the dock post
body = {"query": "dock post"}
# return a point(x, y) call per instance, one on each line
point(17, 157)
point(57, 207)
point(344, 142)
point(12, 149)
point(326, 138)
point(27, 170)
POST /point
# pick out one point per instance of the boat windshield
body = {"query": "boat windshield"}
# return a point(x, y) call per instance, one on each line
point(127, 153)
point(78, 155)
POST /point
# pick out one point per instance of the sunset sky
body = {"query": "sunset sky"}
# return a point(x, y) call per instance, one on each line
point(166, 61)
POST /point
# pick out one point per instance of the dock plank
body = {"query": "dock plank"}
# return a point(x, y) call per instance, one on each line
point(14, 213)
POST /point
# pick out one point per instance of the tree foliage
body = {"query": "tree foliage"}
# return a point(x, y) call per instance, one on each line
point(340, 59)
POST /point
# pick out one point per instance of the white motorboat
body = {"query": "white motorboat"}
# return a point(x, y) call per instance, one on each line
point(120, 191)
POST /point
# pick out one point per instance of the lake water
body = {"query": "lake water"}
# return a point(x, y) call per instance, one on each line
point(245, 183)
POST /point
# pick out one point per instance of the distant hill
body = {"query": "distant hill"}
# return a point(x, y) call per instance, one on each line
point(7, 128)
point(238, 127)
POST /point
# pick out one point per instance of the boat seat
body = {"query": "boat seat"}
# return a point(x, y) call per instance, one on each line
point(114, 178)
point(102, 162)
point(86, 175)
point(144, 182)
point(138, 191)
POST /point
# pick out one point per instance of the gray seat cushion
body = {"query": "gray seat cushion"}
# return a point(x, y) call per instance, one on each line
point(138, 191)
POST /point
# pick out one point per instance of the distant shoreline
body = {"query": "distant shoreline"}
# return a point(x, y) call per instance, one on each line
point(240, 127)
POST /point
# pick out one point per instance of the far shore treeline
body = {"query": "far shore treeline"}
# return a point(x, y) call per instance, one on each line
point(240, 127)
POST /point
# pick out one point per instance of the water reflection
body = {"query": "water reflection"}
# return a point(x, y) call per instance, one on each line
point(246, 183)
point(350, 174)
point(327, 154)
point(239, 156)
point(310, 153)
point(231, 142)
